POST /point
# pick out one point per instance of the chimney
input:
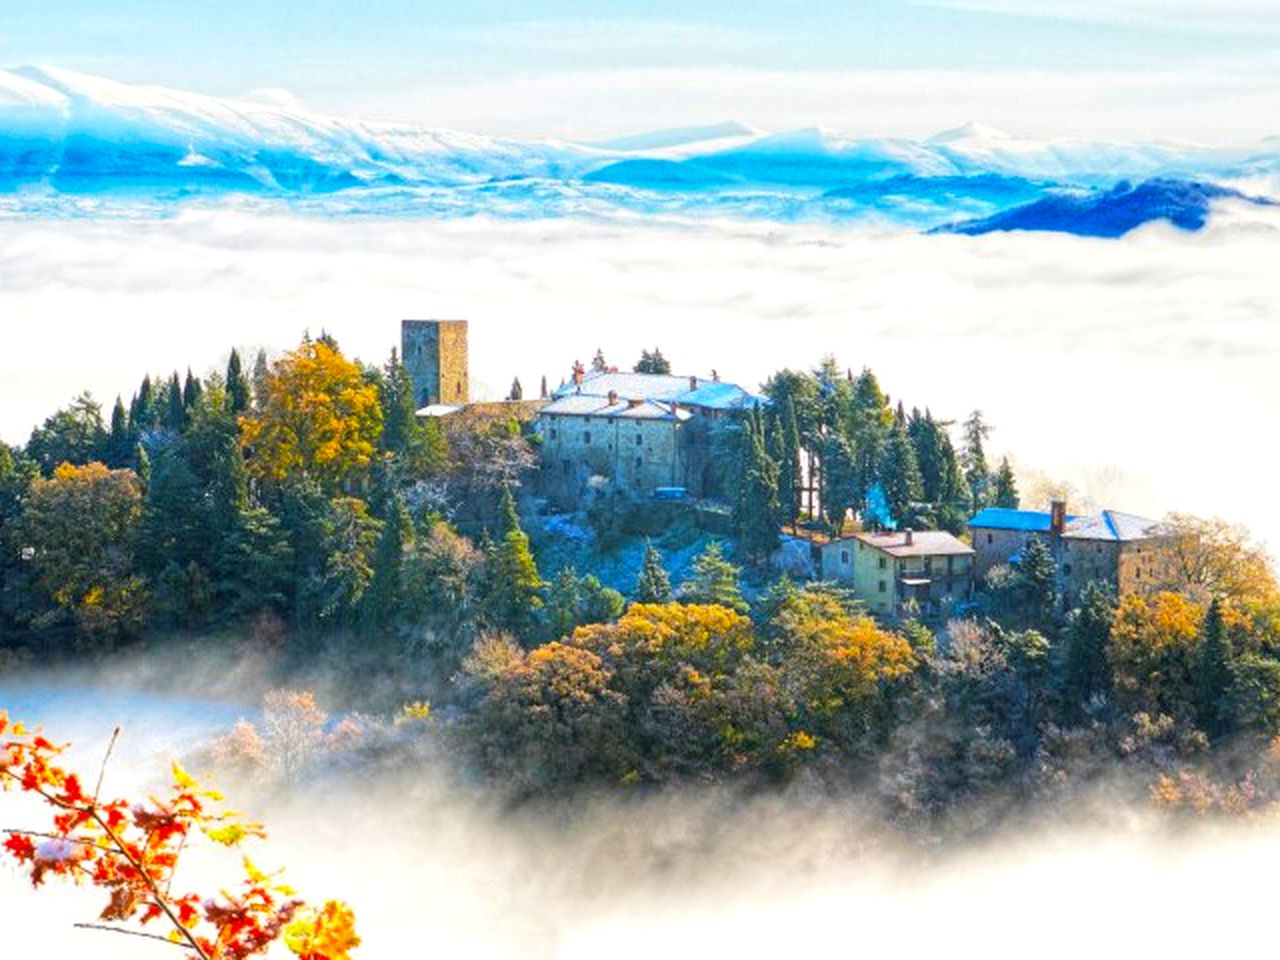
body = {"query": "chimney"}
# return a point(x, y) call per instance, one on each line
point(693, 383)
point(633, 402)
point(613, 397)
point(1057, 516)
point(579, 371)
point(909, 537)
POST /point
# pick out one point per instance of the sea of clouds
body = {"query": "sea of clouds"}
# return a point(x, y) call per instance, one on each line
point(1141, 370)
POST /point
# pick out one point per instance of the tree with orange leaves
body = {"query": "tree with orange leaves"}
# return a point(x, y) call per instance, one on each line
point(132, 851)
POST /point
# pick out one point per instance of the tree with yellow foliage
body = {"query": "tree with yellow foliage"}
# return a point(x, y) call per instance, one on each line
point(1153, 653)
point(77, 531)
point(319, 419)
point(1207, 558)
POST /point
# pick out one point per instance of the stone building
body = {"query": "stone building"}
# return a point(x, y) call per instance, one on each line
point(638, 432)
point(434, 353)
point(892, 570)
point(1121, 549)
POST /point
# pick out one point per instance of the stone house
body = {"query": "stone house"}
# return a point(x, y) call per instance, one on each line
point(638, 432)
point(891, 569)
point(1126, 551)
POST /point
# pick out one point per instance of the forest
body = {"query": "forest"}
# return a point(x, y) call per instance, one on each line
point(298, 511)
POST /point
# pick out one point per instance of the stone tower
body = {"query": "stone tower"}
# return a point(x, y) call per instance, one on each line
point(435, 354)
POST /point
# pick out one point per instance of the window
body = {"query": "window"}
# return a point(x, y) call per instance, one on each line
point(844, 557)
point(553, 433)
point(1066, 569)
point(884, 562)
point(586, 436)
point(639, 462)
point(883, 586)
point(639, 439)
point(951, 564)
point(990, 538)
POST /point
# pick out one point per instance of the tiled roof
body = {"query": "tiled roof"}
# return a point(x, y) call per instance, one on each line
point(924, 543)
point(584, 405)
point(697, 392)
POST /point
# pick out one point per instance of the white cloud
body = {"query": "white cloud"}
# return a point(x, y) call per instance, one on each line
point(1223, 104)
point(1151, 356)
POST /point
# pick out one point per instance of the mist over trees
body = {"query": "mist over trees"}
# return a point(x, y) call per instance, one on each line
point(304, 504)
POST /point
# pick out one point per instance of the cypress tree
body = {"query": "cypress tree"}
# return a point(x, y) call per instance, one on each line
point(974, 460)
point(120, 442)
point(237, 385)
point(175, 417)
point(382, 599)
point(399, 415)
point(870, 424)
point(142, 412)
point(191, 390)
point(789, 477)
point(839, 479)
point(1213, 673)
point(654, 586)
point(514, 585)
point(756, 510)
point(261, 376)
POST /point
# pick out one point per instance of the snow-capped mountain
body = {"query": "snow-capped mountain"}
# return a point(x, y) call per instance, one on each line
point(70, 135)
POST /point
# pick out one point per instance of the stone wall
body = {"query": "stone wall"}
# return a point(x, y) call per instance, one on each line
point(634, 454)
point(434, 353)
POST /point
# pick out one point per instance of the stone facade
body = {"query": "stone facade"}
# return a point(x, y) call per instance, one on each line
point(893, 570)
point(434, 353)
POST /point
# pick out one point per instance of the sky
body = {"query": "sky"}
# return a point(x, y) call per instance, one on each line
point(577, 69)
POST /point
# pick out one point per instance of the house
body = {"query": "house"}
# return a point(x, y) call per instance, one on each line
point(890, 570)
point(637, 431)
point(1126, 551)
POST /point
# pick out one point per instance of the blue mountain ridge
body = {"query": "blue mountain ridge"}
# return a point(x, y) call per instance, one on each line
point(1110, 213)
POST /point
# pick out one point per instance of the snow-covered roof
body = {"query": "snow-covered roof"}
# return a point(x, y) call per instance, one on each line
point(1115, 526)
point(1004, 518)
point(702, 392)
point(586, 405)
point(438, 410)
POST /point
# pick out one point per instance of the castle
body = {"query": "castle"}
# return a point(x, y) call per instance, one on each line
point(434, 353)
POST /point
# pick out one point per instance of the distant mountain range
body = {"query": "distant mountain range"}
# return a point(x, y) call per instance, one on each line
point(69, 135)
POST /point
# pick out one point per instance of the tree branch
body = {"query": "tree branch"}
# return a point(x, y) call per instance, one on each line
point(128, 933)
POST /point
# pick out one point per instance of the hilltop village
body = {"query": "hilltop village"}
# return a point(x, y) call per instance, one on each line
point(650, 436)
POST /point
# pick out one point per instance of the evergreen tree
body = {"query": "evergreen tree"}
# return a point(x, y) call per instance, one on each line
point(652, 362)
point(517, 391)
point(395, 396)
point(237, 386)
point(714, 581)
point(191, 390)
point(654, 586)
point(756, 510)
point(74, 434)
point(870, 423)
point(1213, 673)
point(382, 599)
point(120, 441)
point(542, 392)
point(514, 586)
point(175, 417)
point(1004, 489)
point(839, 480)
point(900, 474)
point(1086, 668)
point(142, 412)
point(1038, 576)
point(789, 478)
point(261, 377)
point(974, 460)
point(598, 362)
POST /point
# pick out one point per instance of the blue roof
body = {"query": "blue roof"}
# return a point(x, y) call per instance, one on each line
point(1003, 518)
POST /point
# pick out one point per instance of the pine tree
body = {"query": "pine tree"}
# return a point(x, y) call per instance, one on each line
point(870, 423)
point(237, 386)
point(142, 411)
point(1087, 671)
point(900, 474)
point(974, 460)
point(1038, 575)
point(1004, 488)
point(756, 509)
point(654, 586)
point(714, 581)
point(652, 362)
point(598, 363)
point(514, 585)
point(395, 396)
point(1213, 673)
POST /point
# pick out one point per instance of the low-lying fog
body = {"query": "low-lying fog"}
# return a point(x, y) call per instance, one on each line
point(436, 870)
point(1141, 369)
